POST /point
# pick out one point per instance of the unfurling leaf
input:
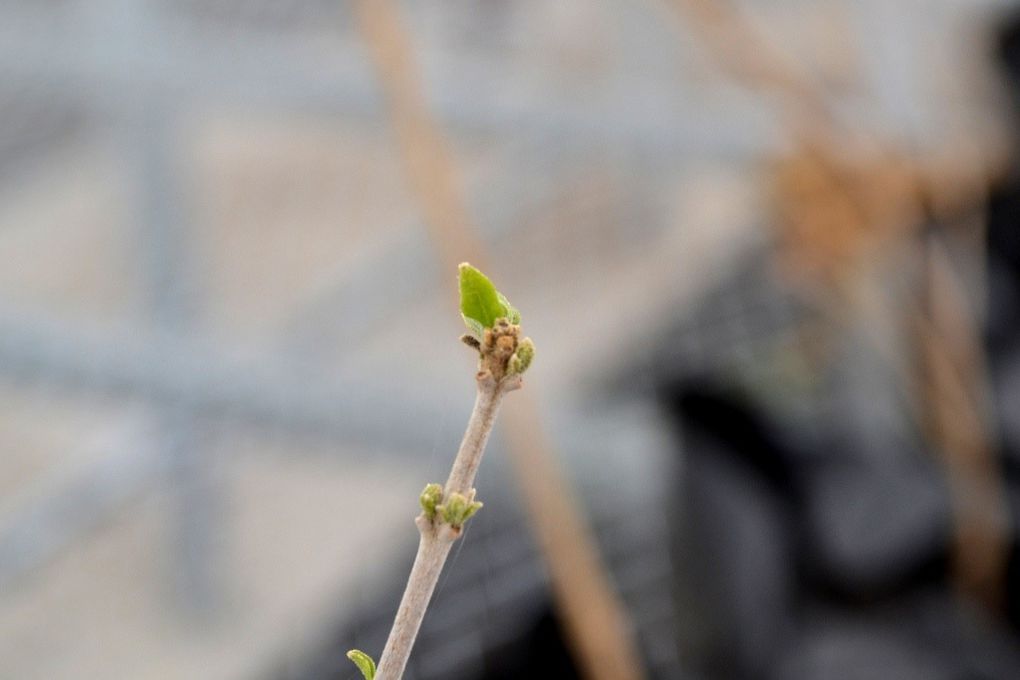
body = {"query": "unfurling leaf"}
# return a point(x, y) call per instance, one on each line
point(363, 662)
point(511, 314)
point(476, 327)
point(480, 303)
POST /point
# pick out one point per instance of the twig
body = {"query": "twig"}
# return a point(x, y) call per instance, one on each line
point(428, 563)
point(429, 164)
point(597, 624)
point(503, 357)
point(437, 537)
point(483, 417)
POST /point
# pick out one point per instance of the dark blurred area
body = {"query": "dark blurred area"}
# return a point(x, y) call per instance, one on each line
point(769, 253)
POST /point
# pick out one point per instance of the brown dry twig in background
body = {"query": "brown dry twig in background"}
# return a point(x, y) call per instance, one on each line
point(833, 213)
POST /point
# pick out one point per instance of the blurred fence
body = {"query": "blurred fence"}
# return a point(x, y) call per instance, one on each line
point(211, 263)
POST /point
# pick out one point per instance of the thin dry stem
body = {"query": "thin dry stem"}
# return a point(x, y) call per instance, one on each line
point(437, 537)
point(469, 456)
point(428, 564)
point(576, 568)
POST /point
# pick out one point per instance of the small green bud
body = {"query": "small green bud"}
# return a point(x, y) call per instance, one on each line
point(520, 360)
point(459, 508)
point(363, 662)
point(430, 497)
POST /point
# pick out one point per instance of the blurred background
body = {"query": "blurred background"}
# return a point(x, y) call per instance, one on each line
point(768, 252)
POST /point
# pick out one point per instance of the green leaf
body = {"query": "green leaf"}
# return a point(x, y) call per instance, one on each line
point(512, 315)
point(480, 303)
point(476, 328)
point(363, 662)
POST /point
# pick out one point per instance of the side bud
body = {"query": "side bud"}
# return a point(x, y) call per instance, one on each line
point(522, 357)
point(430, 499)
point(459, 508)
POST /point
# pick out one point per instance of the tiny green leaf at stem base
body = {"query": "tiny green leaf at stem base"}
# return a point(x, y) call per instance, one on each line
point(363, 662)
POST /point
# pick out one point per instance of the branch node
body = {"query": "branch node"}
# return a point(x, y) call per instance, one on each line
point(512, 382)
point(448, 533)
point(425, 526)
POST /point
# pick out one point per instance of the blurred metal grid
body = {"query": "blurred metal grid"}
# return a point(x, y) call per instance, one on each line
point(181, 62)
point(280, 17)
